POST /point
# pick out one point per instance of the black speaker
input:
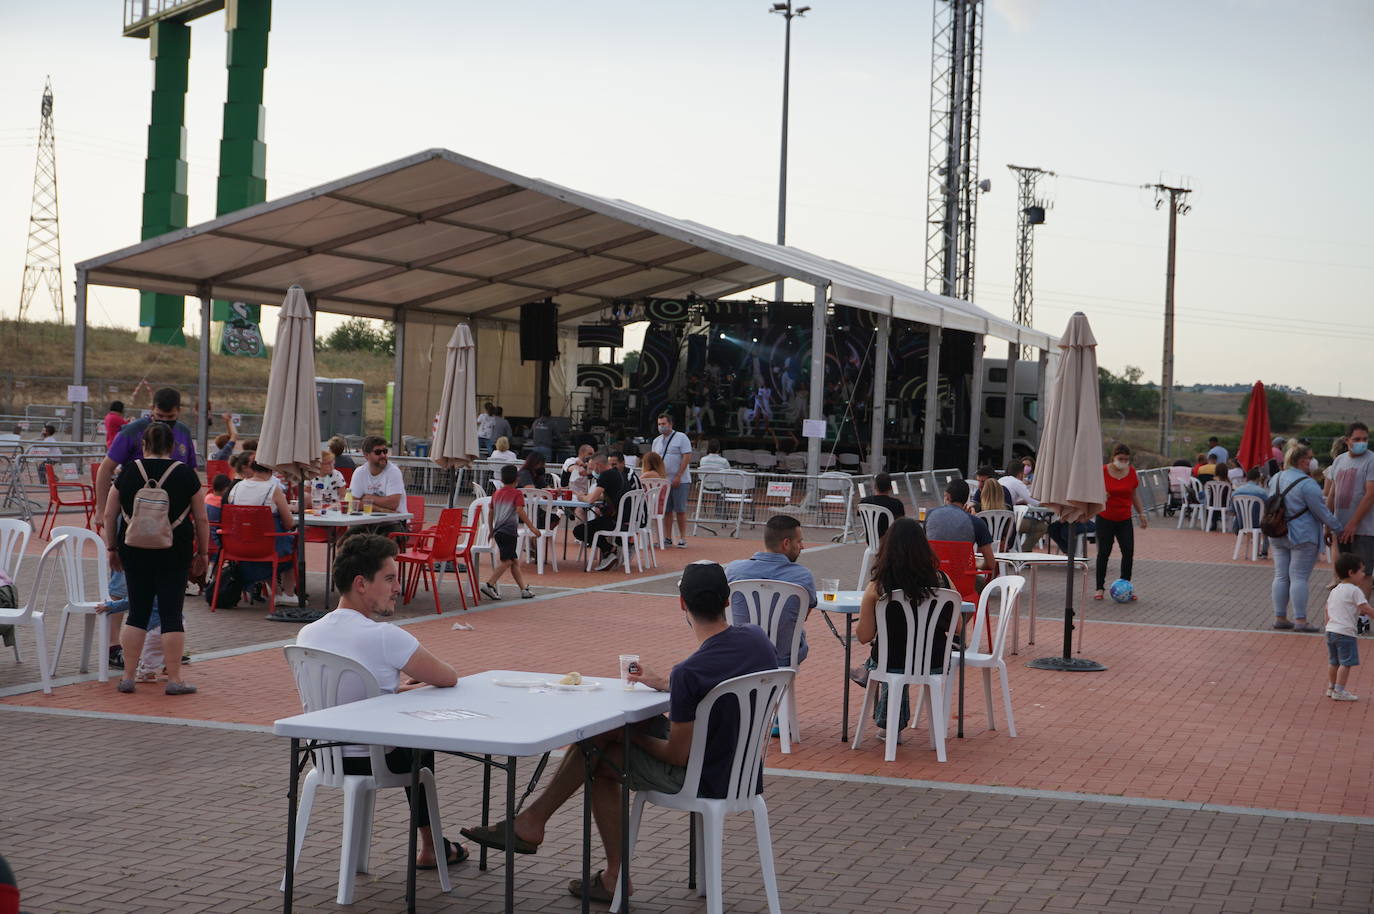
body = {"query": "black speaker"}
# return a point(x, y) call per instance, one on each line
point(539, 331)
point(696, 353)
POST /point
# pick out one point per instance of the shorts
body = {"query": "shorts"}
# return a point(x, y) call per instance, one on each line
point(644, 772)
point(505, 545)
point(677, 498)
point(1363, 546)
point(1344, 650)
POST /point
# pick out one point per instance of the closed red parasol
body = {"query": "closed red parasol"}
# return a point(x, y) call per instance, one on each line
point(1255, 443)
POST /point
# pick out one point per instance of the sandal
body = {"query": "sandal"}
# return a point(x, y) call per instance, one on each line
point(494, 837)
point(450, 849)
point(597, 892)
point(1098, 596)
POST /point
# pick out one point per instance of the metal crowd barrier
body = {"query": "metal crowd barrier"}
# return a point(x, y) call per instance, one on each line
point(425, 477)
point(1154, 488)
point(735, 498)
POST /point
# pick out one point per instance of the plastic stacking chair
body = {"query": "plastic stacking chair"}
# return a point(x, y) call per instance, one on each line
point(85, 568)
point(544, 544)
point(214, 468)
point(318, 675)
point(65, 495)
point(626, 531)
point(656, 497)
point(958, 561)
point(1218, 503)
point(1008, 587)
point(873, 518)
point(1002, 525)
point(1190, 511)
point(919, 666)
point(249, 534)
point(29, 615)
point(425, 551)
point(1249, 509)
point(764, 602)
point(756, 696)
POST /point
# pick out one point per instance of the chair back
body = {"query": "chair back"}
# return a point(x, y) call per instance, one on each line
point(957, 561)
point(1249, 509)
point(86, 584)
point(875, 518)
point(736, 483)
point(757, 696)
point(42, 578)
point(478, 517)
point(318, 675)
point(347, 474)
point(764, 602)
point(849, 461)
point(1002, 526)
point(627, 511)
point(796, 462)
point(415, 506)
point(834, 482)
point(214, 468)
point(247, 533)
point(765, 460)
point(50, 477)
point(923, 622)
point(656, 496)
point(827, 460)
point(1008, 587)
point(1218, 494)
point(446, 534)
point(14, 539)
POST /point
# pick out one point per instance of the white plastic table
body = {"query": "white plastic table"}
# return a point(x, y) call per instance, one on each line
point(511, 722)
point(337, 521)
point(1034, 560)
point(550, 502)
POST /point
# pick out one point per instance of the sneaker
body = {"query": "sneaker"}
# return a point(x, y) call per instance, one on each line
point(116, 658)
point(185, 658)
point(1282, 624)
point(125, 685)
point(608, 561)
point(527, 594)
point(859, 675)
point(287, 599)
point(179, 688)
point(682, 544)
point(1306, 629)
point(490, 592)
point(1362, 625)
point(1342, 695)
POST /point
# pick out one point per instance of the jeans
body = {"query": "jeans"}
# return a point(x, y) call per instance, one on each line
point(1122, 532)
point(1292, 569)
point(397, 762)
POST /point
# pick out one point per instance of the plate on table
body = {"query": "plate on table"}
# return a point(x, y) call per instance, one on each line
point(520, 683)
point(588, 685)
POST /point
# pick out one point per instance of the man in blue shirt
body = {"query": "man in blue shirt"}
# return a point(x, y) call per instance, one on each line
point(782, 543)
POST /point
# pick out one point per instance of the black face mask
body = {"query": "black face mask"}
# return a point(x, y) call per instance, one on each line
point(170, 423)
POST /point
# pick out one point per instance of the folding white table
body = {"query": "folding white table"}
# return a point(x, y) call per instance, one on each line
point(337, 521)
point(484, 720)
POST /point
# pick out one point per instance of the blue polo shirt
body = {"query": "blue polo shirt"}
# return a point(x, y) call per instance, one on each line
point(774, 566)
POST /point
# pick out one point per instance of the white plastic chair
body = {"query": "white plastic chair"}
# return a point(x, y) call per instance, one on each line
point(764, 601)
point(318, 674)
point(918, 662)
point(1248, 508)
point(656, 497)
point(1009, 588)
point(1190, 511)
point(827, 461)
point(543, 545)
point(848, 462)
point(796, 462)
point(14, 539)
point(626, 531)
point(736, 489)
point(1218, 495)
point(84, 595)
point(28, 615)
point(757, 696)
point(482, 543)
point(872, 518)
point(765, 461)
point(1002, 525)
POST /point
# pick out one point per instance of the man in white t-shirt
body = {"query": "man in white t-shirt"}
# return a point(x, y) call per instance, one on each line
point(713, 459)
point(380, 482)
point(368, 580)
point(1217, 453)
point(676, 450)
point(1018, 493)
point(1350, 495)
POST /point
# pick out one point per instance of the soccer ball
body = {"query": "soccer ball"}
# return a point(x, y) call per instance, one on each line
point(1121, 590)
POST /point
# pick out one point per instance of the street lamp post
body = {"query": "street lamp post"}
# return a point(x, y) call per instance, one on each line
point(788, 13)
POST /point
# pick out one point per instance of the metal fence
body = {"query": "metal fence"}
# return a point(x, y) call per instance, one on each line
point(23, 479)
point(1154, 488)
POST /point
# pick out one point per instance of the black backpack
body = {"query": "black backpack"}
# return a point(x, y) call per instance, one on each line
point(1274, 522)
point(226, 578)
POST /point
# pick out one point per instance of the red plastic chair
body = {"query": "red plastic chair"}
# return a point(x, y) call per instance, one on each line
point(957, 561)
point(56, 500)
point(214, 468)
point(427, 549)
point(249, 534)
point(347, 474)
point(415, 506)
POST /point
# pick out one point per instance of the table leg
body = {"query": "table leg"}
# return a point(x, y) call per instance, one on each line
point(292, 794)
point(624, 827)
point(510, 834)
point(588, 761)
point(486, 808)
point(848, 647)
point(414, 829)
point(963, 649)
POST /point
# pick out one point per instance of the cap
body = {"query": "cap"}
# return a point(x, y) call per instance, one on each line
point(703, 587)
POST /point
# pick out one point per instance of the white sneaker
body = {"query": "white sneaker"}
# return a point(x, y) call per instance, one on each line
point(682, 544)
point(527, 594)
point(287, 599)
point(1328, 691)
point(608, 561)
point(490, 592)
point(1343, 695)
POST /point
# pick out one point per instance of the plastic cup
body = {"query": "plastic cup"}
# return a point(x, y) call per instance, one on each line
point(367, 507)
point(625, 661)
point(830, 588)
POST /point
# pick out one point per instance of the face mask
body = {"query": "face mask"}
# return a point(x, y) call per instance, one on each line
point(1122, 464)
point(663, 429)
point(170, 423)
point(1358, 447)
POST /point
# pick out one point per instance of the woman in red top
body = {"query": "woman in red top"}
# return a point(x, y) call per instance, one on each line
point(1114, 523)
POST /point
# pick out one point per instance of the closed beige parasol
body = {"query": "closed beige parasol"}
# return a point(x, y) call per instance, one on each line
point(1068, 469)
point(455, 438)
point(290, 437)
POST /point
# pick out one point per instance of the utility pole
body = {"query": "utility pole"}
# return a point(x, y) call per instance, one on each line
point(1177, 198)
point(1030, 212)
point(787, 13)
point(43, 263)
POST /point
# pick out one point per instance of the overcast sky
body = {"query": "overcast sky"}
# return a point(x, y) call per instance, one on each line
point(1261, 106)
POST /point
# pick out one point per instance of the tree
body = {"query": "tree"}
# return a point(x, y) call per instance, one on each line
point(1285, 410)
point(1125, 394)
point(358, 334)
point(630, 362)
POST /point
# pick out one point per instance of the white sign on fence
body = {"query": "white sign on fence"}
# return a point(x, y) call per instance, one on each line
point(780, 490)
point(78, 393)
point(813, 428)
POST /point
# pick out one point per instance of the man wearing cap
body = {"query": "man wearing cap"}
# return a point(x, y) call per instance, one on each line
point(657, 755)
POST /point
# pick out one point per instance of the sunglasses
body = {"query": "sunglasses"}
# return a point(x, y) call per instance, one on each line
point(379, 451)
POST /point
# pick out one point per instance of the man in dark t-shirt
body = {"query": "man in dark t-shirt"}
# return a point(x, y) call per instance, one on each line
point(128, 444)
point(656, 758)
point(883, 497)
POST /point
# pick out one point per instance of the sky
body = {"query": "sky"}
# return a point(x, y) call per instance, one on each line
point(1261, 107)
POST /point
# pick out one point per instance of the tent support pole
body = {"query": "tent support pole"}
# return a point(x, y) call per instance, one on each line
point(932, 409)
point(817, 386)
point(79, 356)
point(203, 377)
point(1009, 407)
point(1041, 391)
point(975, 410)
point(877, 461)
point(398, 390)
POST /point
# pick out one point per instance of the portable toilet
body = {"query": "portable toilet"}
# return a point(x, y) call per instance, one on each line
point(348, 406)
point(324, 402)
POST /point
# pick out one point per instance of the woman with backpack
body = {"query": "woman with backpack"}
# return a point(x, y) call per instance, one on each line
point(157, 534)
point(1303, 514)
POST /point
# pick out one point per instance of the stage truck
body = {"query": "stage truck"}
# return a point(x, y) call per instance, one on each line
point(1025, 405)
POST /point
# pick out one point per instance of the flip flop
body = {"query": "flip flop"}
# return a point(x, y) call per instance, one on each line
point(494, 837)
point(449, 849)
point(597, 892)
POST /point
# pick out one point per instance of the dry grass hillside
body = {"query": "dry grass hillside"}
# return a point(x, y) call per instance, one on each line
point(38, 369)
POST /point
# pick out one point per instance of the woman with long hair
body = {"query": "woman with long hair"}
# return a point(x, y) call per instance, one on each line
point(991, 495)
point(533, 474)
point(905, 563)
point(651, 466)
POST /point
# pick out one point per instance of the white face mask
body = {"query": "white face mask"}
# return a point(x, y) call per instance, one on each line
point(1122, 462)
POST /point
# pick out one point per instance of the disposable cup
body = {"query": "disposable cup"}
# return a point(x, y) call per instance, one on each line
point(625, 661)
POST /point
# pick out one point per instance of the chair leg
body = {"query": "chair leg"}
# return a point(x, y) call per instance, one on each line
point(312, 782)
point(636, 813)
point(87, 635)
point(870, 693)
point(434, 585)
point(40, 636)
point(937, 728)
point(699, 824)
point(1235, 553)
point(987, 696)
point(436, 828)
point(349, 842)
point(713, 851)
point(894, 717)
point(102, 630)
point(362, 848)
point(785, 723)
point(57, 645)
point(765, 840)
point(1006, 697)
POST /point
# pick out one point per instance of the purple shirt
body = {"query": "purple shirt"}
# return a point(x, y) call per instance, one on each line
point(128, 444)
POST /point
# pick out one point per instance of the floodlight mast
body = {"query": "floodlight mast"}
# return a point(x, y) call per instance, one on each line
point(788, 13)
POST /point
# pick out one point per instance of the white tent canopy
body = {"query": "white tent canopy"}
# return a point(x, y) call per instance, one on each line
point(444, 236)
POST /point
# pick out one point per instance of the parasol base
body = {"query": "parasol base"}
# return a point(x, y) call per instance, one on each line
point(294, 614)
point(1067, 664)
